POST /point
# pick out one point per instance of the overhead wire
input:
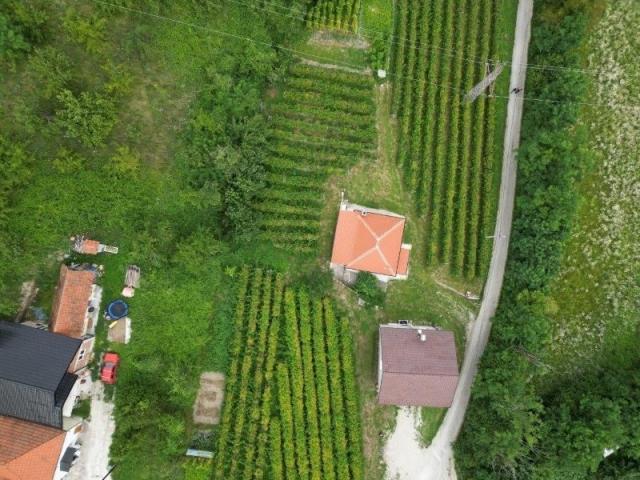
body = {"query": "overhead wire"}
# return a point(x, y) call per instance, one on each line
point(342, 64)
point(419, 47)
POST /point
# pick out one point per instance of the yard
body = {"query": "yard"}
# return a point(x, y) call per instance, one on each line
point(166, 171)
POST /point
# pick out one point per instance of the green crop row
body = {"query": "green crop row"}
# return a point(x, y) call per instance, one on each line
point(286, 416)
point(304, 155)
point(444, 144)
point(455, 126)
point(335, 386)
point(310, 394)
point(335, 104)
point(259, 352)
point(313, 114)
point(331, 89)
point(357, 81)
point(292, 336)
point(425, 184)
point(236, 347)
point(334, 14)
point(275, 438)
point(269, 370)
point(412, 167)
point(461, 207)
point(324, 395)
point(323, 130)
point(244, 392)
point(404, 113)
point(352, 402)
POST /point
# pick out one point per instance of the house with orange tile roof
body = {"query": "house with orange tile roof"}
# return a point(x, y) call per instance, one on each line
point(30, 451)
point(369, 240)
point(86, 246)
point(75, 310)
point(417, 366)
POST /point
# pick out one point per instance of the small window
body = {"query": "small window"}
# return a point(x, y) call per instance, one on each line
point(81, 354)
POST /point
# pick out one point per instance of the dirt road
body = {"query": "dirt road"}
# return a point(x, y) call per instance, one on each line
point(96, 440)
point(436, 463)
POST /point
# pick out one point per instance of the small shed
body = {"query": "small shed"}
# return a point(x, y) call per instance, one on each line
point(120, 330)
point(418, 366)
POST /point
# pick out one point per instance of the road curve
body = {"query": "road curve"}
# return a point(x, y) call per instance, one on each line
point(440, 453)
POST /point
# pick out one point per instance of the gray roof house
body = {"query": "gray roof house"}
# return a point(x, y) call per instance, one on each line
point(34, 381)
point(417, 366)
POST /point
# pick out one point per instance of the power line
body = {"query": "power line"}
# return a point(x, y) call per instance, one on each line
point(419, 47)
point(343, 64)
point(267, 44)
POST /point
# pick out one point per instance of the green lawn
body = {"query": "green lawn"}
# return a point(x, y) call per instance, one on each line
point(593, 302)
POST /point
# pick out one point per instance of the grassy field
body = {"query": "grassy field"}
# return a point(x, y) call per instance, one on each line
point(448, 149)
point(322, 122)
point(593, 302)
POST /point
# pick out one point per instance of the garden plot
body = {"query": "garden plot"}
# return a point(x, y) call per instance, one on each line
point(322, 123)
point(206, 410)
point(292, 401)
point(446, 146)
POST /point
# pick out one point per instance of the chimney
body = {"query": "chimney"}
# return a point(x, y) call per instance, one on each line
point(423, 338)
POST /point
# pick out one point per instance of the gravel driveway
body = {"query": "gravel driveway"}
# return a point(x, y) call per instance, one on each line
point(93, 463)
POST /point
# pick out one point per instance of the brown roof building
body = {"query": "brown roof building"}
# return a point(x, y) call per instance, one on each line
point(71, 305)
point(417, 366)
point(28, 451)
point(370, 240)
point(75, 311)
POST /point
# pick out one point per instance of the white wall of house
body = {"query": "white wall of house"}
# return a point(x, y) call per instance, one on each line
point(74, 395)
point(84, 355)
point(91, 318)
point(71, 439)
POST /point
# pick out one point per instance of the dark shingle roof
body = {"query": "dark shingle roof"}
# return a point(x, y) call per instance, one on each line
point(34, 357)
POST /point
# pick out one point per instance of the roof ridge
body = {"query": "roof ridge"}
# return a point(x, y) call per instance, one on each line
point(423, 374)
point(376, 247)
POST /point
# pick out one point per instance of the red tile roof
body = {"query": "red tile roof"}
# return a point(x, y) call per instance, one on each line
point(90, 247)
point(71, 302)
point(403, 261)
point(416, 372)
point(368, 241)
point(28, 451)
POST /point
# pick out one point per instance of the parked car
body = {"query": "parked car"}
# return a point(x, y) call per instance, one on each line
point(109, 370)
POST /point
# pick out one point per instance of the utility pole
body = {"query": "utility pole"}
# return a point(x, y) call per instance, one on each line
point(487, 81)
point(109, 472)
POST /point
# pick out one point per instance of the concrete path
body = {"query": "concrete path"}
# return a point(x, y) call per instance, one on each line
point(93, 463)
point(437, 461)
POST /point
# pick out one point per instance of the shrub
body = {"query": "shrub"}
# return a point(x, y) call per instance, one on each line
point(367, 287)
point(88, 117)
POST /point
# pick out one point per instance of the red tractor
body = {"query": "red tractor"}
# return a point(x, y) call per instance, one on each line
point(109, 370)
